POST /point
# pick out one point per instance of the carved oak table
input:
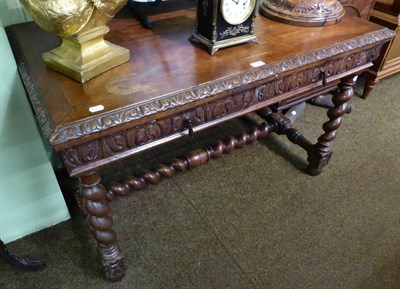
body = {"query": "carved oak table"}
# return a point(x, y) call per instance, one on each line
point(172, 88)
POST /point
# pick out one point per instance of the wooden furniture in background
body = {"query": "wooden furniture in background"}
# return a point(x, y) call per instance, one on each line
point(172, 88)
point(386, 13)
point(360, 8)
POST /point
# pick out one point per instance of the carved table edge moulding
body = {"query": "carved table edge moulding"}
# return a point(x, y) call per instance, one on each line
point(103, 122)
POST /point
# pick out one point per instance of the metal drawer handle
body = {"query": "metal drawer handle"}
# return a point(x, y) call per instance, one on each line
point(322, 76)
point(187, 124)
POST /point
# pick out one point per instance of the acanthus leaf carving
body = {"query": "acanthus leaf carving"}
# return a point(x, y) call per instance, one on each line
point(82, 154)
point(157, 129)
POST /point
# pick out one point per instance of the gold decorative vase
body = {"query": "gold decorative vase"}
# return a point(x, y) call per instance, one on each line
point(83, 53)
point(303, 12)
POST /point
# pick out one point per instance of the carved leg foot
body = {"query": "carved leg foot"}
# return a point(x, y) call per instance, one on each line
point(317, 161)
point(369, 85)
point(100, 223)
point(18, 262)
point(320, 154)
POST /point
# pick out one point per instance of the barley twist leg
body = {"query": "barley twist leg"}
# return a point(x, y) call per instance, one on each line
point(320, 153)
point(100, 224)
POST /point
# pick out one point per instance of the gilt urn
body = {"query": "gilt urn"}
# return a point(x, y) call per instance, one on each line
point(81, 24)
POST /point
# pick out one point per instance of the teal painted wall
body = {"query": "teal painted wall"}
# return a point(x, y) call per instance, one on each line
point(11, 12)
point(30, 198)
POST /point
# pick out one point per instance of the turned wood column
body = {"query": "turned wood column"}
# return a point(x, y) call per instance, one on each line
point(370, 84)
point(100, 224)
point(320, 153)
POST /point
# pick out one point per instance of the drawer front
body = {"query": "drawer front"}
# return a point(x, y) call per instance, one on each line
point(290, 86)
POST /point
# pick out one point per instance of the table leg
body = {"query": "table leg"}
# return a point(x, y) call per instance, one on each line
point(370, 84)
point(100, 223)
point(320, 154)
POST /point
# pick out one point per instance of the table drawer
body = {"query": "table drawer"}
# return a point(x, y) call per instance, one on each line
point(290, 88)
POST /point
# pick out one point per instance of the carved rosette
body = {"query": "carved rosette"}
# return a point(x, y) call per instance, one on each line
point(303, 13)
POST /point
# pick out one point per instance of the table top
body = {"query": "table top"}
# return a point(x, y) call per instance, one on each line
point(167, 72)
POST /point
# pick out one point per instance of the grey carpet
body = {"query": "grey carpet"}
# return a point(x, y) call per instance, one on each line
point(251, 219)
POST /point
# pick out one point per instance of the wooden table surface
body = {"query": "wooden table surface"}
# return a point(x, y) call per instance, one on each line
point(165, 67)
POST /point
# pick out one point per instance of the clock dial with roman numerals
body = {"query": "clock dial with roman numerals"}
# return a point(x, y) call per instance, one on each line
point(236, 12)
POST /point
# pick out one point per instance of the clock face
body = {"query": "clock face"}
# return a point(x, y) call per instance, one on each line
point(236, 11)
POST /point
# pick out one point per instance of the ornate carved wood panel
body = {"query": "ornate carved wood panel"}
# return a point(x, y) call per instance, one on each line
point(137, 136)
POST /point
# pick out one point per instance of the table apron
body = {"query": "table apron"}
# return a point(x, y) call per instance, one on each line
point(100, 152)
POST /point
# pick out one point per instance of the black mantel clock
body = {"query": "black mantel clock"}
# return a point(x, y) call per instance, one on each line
point(223, 23)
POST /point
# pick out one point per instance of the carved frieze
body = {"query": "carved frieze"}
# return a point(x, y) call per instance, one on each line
point(143, 134)
point(83, 154)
